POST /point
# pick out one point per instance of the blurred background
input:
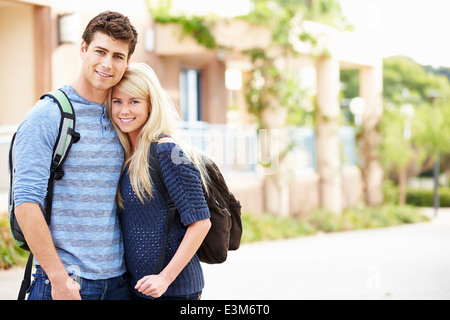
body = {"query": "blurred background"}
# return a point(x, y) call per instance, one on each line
point(307, 106)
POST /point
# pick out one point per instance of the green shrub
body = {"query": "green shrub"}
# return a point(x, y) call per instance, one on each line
point(390, 192)
point(327, 221)
point(269, 227)
point(384, 216)
point(425, 197)
point(10, 254)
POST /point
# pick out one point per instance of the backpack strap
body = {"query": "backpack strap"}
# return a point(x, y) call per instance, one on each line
point(157, 177)
point(66, 137)
point(26, 281)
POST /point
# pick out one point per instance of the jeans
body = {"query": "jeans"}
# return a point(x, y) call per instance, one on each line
point(108, 289)
point(192, 296)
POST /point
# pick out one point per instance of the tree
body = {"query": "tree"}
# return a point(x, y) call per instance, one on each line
point(407, 82)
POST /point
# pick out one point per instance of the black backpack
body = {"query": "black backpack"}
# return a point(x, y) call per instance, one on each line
point(66, 137)
point(226, 225)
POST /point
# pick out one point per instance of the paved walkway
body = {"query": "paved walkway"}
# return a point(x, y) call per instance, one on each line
point(405, 262)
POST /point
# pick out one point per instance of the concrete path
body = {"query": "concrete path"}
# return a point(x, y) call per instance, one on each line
point(405, 262)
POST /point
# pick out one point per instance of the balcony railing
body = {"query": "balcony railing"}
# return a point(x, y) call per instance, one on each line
point(237, 147)
point(232, 147)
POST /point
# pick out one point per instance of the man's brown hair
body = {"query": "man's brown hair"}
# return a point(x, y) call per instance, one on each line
point(114, 24)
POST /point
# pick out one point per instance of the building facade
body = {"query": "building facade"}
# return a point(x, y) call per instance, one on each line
point(41, 39)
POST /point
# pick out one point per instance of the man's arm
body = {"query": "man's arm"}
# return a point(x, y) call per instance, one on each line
point(35, 140)
point(39, 239)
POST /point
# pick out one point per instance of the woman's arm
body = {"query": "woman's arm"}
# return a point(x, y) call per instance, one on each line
point(156, 285)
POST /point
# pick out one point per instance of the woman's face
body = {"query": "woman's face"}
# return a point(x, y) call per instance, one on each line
point(129, 113)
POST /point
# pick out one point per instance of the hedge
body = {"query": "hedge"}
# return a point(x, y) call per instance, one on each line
point(425, 198)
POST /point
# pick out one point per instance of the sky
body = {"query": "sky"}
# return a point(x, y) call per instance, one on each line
point(415, 28)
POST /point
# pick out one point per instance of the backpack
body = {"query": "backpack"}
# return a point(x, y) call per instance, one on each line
point(66, 137)
point(226, 225)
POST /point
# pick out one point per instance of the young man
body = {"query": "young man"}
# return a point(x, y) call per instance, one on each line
point(84, 238)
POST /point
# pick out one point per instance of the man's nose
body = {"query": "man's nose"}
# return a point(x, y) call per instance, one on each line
point(107, 62)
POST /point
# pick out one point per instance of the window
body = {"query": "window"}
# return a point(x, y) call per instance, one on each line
point(190, 95)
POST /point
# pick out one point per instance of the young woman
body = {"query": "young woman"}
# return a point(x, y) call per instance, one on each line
point(141, 111)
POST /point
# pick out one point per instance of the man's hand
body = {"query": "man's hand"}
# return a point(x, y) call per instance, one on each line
point(65, 289)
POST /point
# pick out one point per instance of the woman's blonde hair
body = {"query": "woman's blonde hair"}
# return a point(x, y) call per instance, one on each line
point(140, 81)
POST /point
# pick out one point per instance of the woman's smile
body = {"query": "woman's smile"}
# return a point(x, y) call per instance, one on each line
point(127, 120)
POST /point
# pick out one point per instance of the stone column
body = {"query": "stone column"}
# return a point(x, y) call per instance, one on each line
point(371, 90)
point(328, 142)
point(273, 143)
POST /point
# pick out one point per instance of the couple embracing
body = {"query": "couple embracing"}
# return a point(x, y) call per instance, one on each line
point(109, 219)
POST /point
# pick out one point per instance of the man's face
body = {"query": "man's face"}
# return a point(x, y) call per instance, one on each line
point(104, 61)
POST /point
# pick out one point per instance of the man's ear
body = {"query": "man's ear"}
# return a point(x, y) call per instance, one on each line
point(83, 48)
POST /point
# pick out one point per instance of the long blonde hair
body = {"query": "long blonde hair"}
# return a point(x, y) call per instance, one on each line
point(140, 81)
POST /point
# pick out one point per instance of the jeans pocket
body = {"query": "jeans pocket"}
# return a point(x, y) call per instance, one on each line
point(30, 288)
point(40, 289)
point(124, 280)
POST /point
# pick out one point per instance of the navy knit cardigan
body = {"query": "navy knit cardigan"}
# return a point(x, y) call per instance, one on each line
point(144, 224)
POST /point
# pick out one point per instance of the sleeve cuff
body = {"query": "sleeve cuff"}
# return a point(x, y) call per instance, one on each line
point(194, 216)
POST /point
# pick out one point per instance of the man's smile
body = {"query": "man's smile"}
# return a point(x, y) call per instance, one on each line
point(103, 75)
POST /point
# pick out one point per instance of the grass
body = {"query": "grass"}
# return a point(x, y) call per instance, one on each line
point(267, 227)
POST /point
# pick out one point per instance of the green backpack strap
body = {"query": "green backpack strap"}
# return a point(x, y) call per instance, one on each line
point(67, 134)
point(66, 137)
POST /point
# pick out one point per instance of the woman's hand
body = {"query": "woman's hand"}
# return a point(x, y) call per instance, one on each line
point(153, 285)
point(156, 285)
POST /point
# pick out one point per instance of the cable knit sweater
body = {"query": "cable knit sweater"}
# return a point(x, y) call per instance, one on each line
point(144, 224)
